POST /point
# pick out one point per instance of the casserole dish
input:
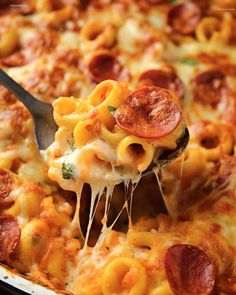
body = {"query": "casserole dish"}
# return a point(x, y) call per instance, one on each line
point(181, 218)
point(13, 284)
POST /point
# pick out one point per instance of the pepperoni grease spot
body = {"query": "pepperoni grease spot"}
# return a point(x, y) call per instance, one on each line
point(9, 236)
point(149, 112)
point(105, 66)
point(184, 18)
point(163, 79)
point(189, 270)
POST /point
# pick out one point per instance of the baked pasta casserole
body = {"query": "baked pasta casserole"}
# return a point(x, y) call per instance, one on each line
point(87, 216)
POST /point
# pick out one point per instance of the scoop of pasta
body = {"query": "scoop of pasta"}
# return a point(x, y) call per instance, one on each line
point(113, 135)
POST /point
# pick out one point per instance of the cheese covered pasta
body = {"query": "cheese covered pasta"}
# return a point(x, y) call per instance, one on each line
point(112, 135)
point(121, 75)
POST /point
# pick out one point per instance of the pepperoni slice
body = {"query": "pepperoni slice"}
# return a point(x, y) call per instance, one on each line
point(84, 3)
point(4, 3)
point(5, 184)
point(9, 236)
point(149, 112)
point(184, 18)
point(163, 79)
point(189, 270)
point(105, 66)
point(210, 88)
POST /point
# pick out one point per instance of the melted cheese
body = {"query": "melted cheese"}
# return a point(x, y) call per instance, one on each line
point(194, 187)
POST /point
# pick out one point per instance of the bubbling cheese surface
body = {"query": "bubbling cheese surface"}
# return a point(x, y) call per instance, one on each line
point(64, 49)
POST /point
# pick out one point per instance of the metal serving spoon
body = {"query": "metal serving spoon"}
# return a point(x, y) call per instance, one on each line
point(45, 126)
point(42, 113)
point(169, 156)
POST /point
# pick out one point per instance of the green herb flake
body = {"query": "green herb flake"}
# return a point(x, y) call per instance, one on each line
point(172, 1)
point(111, 109)
point(188, 61)
point(71, 143)
point(68, 170)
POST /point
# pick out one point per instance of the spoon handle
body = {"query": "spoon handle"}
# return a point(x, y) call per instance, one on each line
point(42, 113)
